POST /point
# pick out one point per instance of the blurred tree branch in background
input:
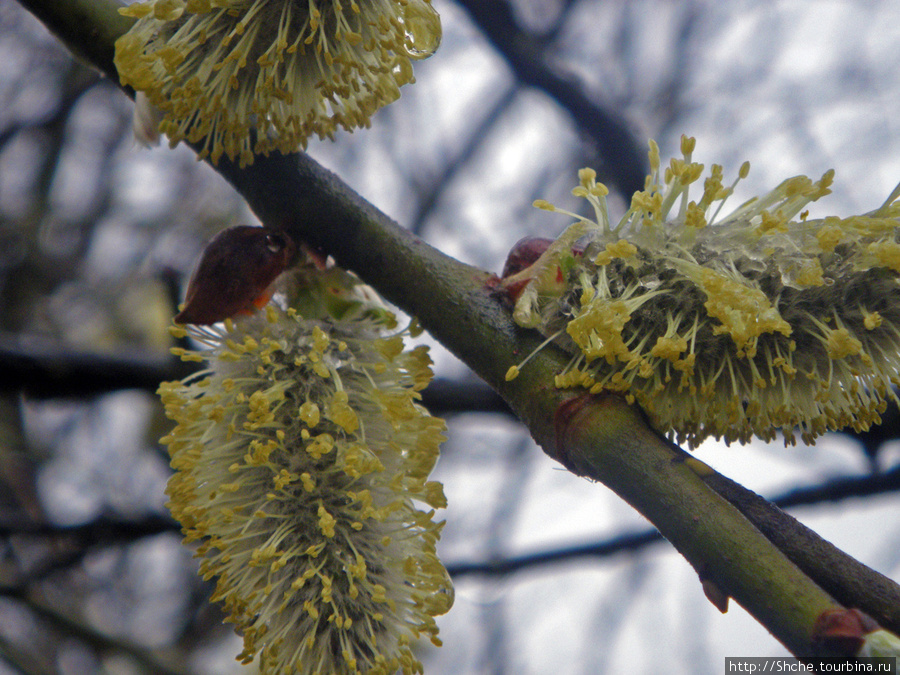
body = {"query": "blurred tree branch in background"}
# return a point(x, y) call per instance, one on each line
point(623, 159)
point(43, 369)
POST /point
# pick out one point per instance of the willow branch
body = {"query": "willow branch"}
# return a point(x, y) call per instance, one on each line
point(601, 438)
point(459, 306)
point(604, 438)
point(88, 28)
point(841, 575)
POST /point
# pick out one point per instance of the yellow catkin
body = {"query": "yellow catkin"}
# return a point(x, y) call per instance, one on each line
point(697, 317)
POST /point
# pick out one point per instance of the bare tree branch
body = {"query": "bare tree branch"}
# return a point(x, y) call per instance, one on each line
point(624, 162)
point(439, 183)
point(102, 643)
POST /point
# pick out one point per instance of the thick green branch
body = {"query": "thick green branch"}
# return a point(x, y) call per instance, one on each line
point(605, 440)
point(842, 576)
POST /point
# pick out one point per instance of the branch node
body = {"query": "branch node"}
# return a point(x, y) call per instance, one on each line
point(842, 630)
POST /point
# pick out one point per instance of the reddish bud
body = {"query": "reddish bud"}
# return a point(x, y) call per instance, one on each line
point(843, 630)
point(524, 253)
point(235, 274)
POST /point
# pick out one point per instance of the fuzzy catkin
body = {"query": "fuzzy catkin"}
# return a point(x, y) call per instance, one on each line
point(301, 459)
point(733, 327)
point(246, 77)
